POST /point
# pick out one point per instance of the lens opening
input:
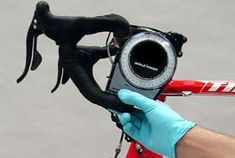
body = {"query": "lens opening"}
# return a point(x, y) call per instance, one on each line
point(148, 59)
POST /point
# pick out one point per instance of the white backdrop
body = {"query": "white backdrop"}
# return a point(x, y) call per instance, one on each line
point(35, 123)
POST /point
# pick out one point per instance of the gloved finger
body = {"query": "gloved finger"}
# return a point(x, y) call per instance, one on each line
point(136, 122)
point(136, 99)
point(127, 118)
point(131, 130)
point(124, 118)
point(138, 114)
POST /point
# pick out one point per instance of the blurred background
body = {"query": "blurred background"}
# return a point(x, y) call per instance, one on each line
point(35, 123)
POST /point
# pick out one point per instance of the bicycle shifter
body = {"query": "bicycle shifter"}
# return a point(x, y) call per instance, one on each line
point(35, 29)
point(44, 22)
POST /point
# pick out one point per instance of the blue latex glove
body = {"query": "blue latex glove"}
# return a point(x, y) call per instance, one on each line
point(157, 127)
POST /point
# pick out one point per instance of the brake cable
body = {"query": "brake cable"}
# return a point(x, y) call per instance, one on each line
point(119, 147)
point(107, 43)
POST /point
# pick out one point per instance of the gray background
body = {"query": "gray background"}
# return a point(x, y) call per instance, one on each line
point(35, 123)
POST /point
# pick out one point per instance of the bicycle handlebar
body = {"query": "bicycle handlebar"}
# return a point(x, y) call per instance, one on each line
point(65, 29)
point(79, 67)
point(69, 29)
point(74, 62)
point(77, 62)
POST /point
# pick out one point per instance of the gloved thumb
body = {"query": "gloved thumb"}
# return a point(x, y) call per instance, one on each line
point(132, 98)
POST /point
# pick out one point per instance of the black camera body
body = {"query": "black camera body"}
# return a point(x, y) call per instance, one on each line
point(146, 62)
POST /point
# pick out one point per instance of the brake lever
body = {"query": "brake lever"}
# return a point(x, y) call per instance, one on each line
point(33, 57)
point(37, 58)
point(62, 77)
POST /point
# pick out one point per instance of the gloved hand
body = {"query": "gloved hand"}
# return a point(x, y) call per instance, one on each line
point(156, 126)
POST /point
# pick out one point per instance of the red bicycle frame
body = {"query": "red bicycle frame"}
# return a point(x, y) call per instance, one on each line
point(184, 88)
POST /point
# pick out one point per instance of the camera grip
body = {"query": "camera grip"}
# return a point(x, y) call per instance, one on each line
point(79, 68)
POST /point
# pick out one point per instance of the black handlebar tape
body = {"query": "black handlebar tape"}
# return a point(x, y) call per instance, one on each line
point(67, 29)
point(70, 29)
point(94, 52)
point(112, 23)
point(79, 69)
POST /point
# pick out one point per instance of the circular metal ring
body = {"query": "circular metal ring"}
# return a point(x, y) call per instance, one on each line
point(163, 77)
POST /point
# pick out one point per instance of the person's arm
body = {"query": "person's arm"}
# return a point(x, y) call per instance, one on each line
point(162, 130)
point(155, 126)
point(203, 143)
